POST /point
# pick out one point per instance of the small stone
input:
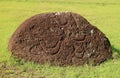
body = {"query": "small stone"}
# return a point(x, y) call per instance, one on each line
point(57, 13)
point(92, 31)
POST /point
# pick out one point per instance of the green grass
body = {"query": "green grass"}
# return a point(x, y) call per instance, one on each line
point(105, 14)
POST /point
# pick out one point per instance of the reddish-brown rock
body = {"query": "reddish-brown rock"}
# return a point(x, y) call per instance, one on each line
point(60, 38)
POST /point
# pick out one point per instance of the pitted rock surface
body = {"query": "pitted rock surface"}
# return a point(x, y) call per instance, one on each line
point(61, 38)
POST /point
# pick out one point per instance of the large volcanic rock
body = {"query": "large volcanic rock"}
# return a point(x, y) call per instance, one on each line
point(60, 38)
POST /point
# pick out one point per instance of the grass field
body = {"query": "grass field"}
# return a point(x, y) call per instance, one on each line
point(105, 14)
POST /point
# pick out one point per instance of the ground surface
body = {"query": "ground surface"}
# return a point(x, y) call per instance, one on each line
point(104, 14)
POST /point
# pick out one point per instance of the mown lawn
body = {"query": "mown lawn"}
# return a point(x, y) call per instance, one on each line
point(105, 14)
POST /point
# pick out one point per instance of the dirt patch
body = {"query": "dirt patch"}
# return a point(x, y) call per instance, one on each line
point(60, 38)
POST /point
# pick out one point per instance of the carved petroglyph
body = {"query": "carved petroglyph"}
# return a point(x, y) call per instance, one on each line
point(61, 38)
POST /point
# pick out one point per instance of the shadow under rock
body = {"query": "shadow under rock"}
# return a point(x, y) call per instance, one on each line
point(116, 52)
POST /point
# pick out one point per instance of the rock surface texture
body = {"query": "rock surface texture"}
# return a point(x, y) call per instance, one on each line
point(60, 38)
